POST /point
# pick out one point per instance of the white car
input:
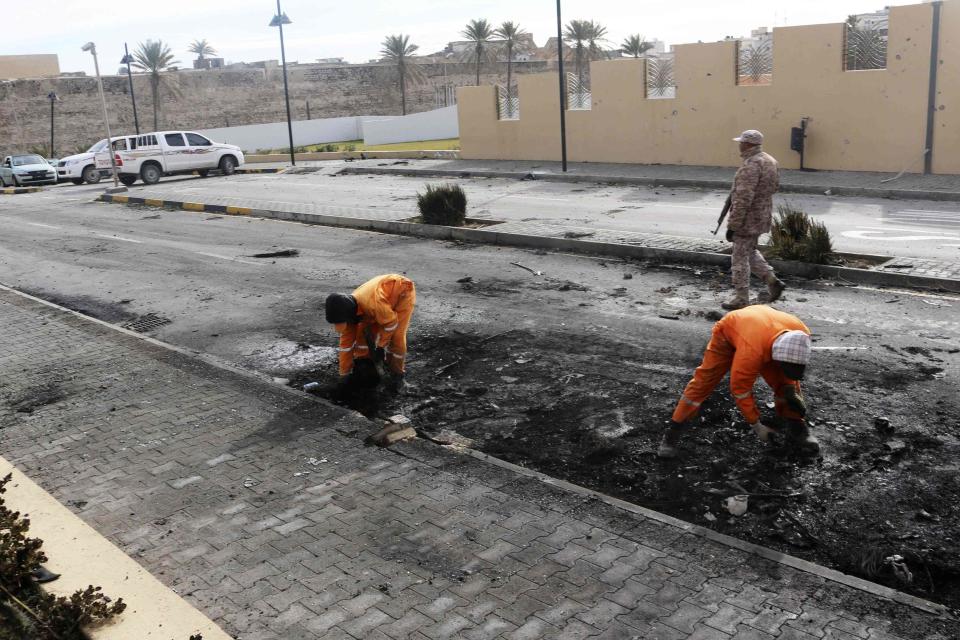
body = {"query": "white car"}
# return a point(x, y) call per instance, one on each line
point(94, 164)
point(164, 153)
point(26, 169)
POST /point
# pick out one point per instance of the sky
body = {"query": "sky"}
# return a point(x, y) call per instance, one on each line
point(354, 29)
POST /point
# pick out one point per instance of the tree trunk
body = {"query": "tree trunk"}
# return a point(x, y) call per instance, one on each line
point(403, 91)
point(155, 89)
point(479, 53)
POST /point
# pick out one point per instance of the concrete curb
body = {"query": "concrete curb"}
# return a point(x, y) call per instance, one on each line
point(9, 191)
point(316, 156)
point(246, 170)
point(753, 549)
point(490, 235)
point(718, 185)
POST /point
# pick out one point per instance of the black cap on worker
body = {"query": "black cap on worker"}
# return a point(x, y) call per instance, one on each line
point(340, 307)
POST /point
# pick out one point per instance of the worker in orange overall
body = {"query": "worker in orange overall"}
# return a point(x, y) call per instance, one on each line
point(749, 343)
point(373, 322)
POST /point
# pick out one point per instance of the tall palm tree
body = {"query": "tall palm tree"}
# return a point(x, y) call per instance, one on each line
point(597, 37)
point(479, 33)
point(577, 34)
point(513, 42)
point(635, 46)
point(398, 50)
point(154, 58)
point(202, 48)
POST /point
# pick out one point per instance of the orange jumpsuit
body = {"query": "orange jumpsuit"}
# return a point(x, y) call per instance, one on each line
point(385, 306)
point(742, 343)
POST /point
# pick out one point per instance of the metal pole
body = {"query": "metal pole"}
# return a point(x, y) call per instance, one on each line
point(133, 98)
point(52, 98)
point(932, 94)
point(563, 91)
point(286, 90)
point(106, 120)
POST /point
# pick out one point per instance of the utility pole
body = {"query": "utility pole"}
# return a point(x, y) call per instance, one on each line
point(127, 59)
point(92, 48)
point(563, 92)
point(278, 21)
point(52, 97)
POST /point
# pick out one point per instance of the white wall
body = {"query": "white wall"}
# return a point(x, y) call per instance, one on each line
point(430, 125)
point(439, 124)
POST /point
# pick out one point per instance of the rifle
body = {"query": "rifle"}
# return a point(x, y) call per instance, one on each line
point(723, 214)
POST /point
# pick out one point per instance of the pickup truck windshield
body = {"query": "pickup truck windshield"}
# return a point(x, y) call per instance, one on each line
point(20, 161)
point(97, 148)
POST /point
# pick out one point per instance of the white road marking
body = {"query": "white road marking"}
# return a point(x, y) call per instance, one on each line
point(912, 229)
point(947, 211)
point(232, 259)
point(120, 238)
point(873, 235)
point(45, 226)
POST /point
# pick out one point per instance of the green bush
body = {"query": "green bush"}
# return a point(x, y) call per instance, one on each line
point(795, 236)
point(350, 147)
point(443, 204)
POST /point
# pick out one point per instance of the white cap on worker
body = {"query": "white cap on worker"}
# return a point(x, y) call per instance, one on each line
point(792, 346)
point(750, 136)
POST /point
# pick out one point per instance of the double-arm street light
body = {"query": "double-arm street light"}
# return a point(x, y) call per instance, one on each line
point(278, 21)
point(127, 60)
point(92, 48)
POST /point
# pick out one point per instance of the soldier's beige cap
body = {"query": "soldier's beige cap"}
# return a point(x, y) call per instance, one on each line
point(750, 136)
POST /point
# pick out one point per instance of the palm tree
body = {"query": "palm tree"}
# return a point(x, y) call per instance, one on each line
point(597, 36)
point(479, 33)
point(577, 35)
point(202, 48)
point(398, 50)
point(635, 46)
point(154, 58)
point(512, 36)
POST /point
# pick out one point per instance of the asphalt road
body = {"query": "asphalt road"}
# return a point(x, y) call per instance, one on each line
point(919, 229)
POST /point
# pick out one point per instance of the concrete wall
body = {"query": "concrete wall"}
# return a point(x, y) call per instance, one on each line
point(861, 120)
point(438, 124)
point(220, 98)
point(274, 135)
point(29, 66)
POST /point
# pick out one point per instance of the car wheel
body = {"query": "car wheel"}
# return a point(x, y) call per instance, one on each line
point(128, 179)
point(203, 173)
point(150, 174)
point(90, 175)
point(14, 182)
point(76, 180)
point(228, 165)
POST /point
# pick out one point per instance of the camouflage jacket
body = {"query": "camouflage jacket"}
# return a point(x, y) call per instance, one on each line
point(756, 181)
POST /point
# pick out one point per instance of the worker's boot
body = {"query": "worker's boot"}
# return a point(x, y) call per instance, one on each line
point(740, 299)
point(775, 288)
point(800, 438)
point(671, 440)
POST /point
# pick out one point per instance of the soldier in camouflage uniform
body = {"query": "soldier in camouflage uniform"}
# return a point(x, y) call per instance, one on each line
point(751, 215)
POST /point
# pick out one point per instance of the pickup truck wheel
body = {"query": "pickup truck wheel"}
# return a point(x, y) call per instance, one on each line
point(76, 180)
point(90, 174)
point(228, 165)
point(128, 179)
point(150, 174)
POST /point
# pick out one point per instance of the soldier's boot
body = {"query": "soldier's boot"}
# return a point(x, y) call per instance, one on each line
point(670, 441)
point(775, 288)
point(799, 438)
point(740, 299)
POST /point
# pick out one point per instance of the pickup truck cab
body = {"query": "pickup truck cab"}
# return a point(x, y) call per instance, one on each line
point(164, 153)
point(94, 164)
point(26, 169)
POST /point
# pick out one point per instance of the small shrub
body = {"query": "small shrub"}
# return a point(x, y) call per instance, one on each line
point(444, 204)
point(300, 149)
point(350, 147)
point(795, 236)
point(263, 152)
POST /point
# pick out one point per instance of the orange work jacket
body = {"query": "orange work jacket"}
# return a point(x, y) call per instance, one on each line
point(377, 301)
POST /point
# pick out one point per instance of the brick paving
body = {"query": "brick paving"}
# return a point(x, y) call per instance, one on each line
point(263, 509)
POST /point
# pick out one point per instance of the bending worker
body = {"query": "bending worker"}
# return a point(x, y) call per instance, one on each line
point(375, 316)
point(751, 215)
point(749, 343)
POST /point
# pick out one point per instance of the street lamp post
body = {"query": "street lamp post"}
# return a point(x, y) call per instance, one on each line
point(563, 91)
point(127, 59)
point(92, 48)
point(52, 97)
point(278, 21)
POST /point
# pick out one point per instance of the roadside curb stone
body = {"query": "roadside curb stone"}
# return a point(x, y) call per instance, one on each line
point(362, 550)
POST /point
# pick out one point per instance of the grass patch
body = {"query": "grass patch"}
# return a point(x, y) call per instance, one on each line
point(357, 145)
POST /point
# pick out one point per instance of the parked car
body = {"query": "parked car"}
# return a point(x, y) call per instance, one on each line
point(164, 153)
point(26, 169)
point(94, 164)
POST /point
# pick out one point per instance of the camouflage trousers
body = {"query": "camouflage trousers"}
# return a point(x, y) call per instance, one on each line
point(746, 258)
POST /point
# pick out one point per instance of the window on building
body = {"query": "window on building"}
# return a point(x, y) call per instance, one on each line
point(578, 93)
point(508, 104)
point(865, 41)
point(660, 79)
point(755, 59)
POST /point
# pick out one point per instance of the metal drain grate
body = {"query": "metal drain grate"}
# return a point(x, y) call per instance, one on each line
point(145, 323)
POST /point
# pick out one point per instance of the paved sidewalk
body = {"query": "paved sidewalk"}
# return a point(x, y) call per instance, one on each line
point(946, 272)
point(260, 506)
point(854, 183)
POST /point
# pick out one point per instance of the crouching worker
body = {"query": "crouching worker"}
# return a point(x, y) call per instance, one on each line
point(372, 323)
point(749, 343)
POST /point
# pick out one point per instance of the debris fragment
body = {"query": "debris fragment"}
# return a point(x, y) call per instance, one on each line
point(311, 386)
point(923, 514)
point(398, 419)
point(628, 276)
point(900, 570)
point(882, 424)
point(465, 280)
point(895, 446)
point(442, 370)
point(736, 505)
point(285, 253)
point(525, 268)
point(573, 235)
point(709, 517)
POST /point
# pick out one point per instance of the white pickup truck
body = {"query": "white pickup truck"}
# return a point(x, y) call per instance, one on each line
point(164, 153)
point(94, 164)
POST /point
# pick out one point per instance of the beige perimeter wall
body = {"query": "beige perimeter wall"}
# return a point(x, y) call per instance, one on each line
point(33, 66)
point(859, 121)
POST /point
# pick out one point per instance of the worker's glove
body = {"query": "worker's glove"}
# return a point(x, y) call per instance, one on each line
point(729, 235)
point(795, 401)
point(763, 431)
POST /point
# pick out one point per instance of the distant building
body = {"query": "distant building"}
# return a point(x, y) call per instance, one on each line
point(331, 61)
point(39, 65)
point(208, 63)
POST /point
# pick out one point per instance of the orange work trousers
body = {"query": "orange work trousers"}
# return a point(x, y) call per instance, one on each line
point(717, 361)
